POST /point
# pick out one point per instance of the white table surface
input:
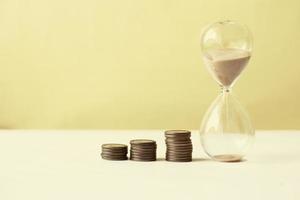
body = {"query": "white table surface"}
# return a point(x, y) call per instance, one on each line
point(66, 165)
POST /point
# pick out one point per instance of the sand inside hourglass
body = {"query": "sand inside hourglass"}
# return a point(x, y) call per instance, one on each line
point(227, 147)
point(226, 64)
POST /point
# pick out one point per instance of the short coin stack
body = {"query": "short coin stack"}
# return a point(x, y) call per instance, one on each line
point(179, 146)
point(114, 151)
point(143, 150)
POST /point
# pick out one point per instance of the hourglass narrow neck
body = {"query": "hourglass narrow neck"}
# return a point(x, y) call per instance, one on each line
point(225, 90)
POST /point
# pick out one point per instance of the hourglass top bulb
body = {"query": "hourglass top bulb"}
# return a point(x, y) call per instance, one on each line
point(226, 48)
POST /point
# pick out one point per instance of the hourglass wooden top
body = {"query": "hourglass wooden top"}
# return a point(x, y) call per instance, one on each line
point(226, 64)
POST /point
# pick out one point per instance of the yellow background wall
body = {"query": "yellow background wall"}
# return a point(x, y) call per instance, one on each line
point(136, 64)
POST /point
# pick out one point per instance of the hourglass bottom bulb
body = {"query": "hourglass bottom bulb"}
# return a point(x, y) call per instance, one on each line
point(226, 147)
point(226, 131)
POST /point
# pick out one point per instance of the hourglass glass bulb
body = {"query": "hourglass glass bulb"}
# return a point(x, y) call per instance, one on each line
point(226, 130)
point(226, 48)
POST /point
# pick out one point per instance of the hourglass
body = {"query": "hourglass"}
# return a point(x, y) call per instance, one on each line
point(226, 132)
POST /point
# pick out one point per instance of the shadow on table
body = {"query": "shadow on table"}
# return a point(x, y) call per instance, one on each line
point(194, 160)
point(201, 160)
point(210, 160)
point(206, 160)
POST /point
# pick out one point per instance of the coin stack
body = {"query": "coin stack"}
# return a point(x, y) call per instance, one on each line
point(143, 150)
point(179, 146)
point(114, 151)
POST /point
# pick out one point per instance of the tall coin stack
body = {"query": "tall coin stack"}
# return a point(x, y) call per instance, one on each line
point(143, 150)
point(114, 151)
point(179, 146)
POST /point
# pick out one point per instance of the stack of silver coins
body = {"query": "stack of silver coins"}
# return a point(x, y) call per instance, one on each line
point(143, 150)
point(114, 152)
point(179, 146)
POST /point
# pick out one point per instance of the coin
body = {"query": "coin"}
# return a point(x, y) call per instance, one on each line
point(179, 145)
point(179, 160)
point(116, 156)
point(178, 137)
point(179, 150)
point(113, 154)
point(111, 158)
point(143, 148)
point(186, 154)
point(179, 155)
point(143, 157)
point(177, 141)
point(143, 152)
point(114, 146)
point(114, 151)
point(177, 133)
point(142, 142)
point(142, 160)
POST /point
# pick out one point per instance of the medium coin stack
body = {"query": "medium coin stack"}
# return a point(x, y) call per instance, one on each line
point(143, 150)
point(179, 146)
point(114, 151)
